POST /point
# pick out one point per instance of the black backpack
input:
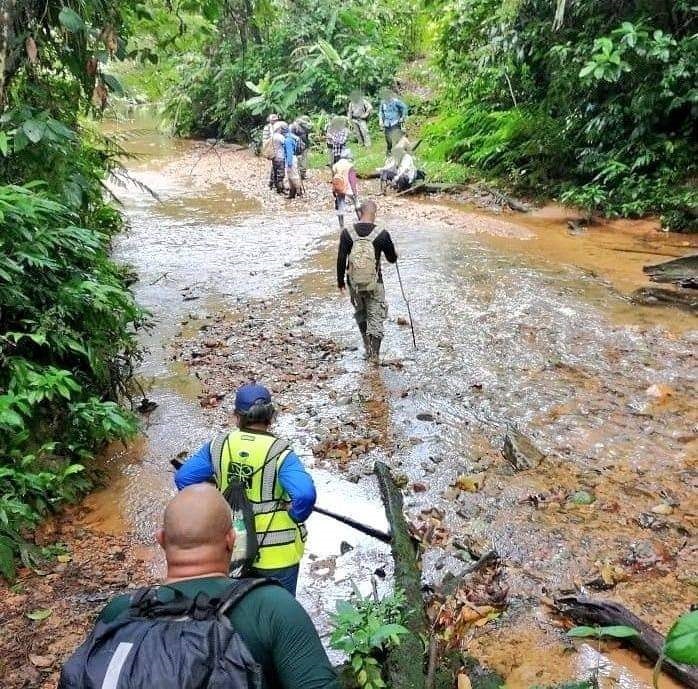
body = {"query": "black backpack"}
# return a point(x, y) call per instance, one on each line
point(179, 644)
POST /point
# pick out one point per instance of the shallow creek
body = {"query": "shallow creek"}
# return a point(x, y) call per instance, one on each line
point(515, 324)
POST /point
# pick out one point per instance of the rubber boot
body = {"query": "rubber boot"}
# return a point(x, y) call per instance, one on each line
point(375, 349)
point(364, 337)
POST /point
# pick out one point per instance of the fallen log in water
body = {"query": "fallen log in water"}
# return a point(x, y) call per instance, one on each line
point(649, 643)
point(658, 296)
point(506, 200)
point(405, 664)
point(432, 188)
point(680, 271)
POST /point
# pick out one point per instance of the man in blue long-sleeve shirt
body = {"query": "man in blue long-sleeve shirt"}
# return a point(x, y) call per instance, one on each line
point(280, 491)
point(392, 114)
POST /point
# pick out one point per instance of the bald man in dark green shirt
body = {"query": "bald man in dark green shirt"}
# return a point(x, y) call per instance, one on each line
point(198, 540)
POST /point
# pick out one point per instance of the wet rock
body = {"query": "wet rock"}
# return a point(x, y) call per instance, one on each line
point(520, 452)
point(426, 416)
point(42, 661)
point(659, 392)
point(470, 483)
point(354, 477)
point(663, 508)
point(345, 547)
point(146, 406)
point(402, 321)
point(419, 487)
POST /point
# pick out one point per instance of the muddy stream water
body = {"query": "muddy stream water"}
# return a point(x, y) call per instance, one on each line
point(517, 322)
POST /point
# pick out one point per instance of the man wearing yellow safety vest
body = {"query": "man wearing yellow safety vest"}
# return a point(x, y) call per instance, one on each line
point(279, 490)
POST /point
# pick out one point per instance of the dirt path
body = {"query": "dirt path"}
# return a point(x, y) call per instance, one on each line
point(515, 325)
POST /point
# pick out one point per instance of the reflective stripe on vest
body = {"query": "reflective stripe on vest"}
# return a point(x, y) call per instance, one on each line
point(254, 459)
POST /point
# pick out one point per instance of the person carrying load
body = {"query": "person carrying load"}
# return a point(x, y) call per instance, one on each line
point(344, 184)
point(267, 149)
point(201, 629)
point(302, 127)
point(359, 257)
point(336, 138)
point(358, 112)
point(278, 160)
point(270, 492)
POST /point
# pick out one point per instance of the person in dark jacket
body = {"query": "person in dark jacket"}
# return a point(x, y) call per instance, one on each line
point(370, 308)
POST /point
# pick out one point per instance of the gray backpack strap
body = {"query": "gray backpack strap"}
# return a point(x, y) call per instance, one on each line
point(353, 234)
point(278, 447)
point(217, 445)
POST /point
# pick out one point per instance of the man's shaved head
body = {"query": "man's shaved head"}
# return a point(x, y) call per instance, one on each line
point(368, 210)
point(198, 515)
point(197, 534)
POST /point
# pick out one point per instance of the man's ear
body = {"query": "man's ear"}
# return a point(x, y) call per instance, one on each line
point(160, 537)
point(230, 540)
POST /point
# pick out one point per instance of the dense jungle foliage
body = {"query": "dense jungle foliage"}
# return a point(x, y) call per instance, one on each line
point(292, 58)
point(67, 319)
point(594, 103)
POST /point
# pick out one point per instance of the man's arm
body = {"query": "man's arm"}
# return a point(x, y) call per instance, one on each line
point(368, 107)
point(344, 249)
point(380, 116)
point(387, 246)
point(197, 469)
point(298, 483)
point(300, 661)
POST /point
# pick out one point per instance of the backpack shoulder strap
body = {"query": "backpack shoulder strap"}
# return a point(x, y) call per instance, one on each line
point(353, 234)
point(373, 234)
point(239, 589)
point(216, 449)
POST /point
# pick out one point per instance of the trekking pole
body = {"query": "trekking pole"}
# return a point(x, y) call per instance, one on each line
point(363, 528)
point(407, 303)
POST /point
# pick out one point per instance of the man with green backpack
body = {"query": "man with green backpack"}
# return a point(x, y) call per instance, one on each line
point(359, 257)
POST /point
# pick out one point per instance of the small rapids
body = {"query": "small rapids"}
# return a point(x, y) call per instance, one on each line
point(505, 337)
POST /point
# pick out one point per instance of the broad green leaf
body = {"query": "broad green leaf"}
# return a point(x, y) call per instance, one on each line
point(34, 130)
point(60, 129)
point(619, 631)
point(583, 631)
point(681, 642)
point(7, 561)
point(113, 83)
point(71, 20)
point(615, 631)
point(39, 614)
point(4, 147)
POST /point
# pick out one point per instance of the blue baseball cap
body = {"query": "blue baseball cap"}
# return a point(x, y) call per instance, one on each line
point(249, 395)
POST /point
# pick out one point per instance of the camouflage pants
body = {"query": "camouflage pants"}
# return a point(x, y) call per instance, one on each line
point(370, 308)
point(361, 129)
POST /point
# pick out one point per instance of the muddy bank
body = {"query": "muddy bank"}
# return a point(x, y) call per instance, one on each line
point(241, 284)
